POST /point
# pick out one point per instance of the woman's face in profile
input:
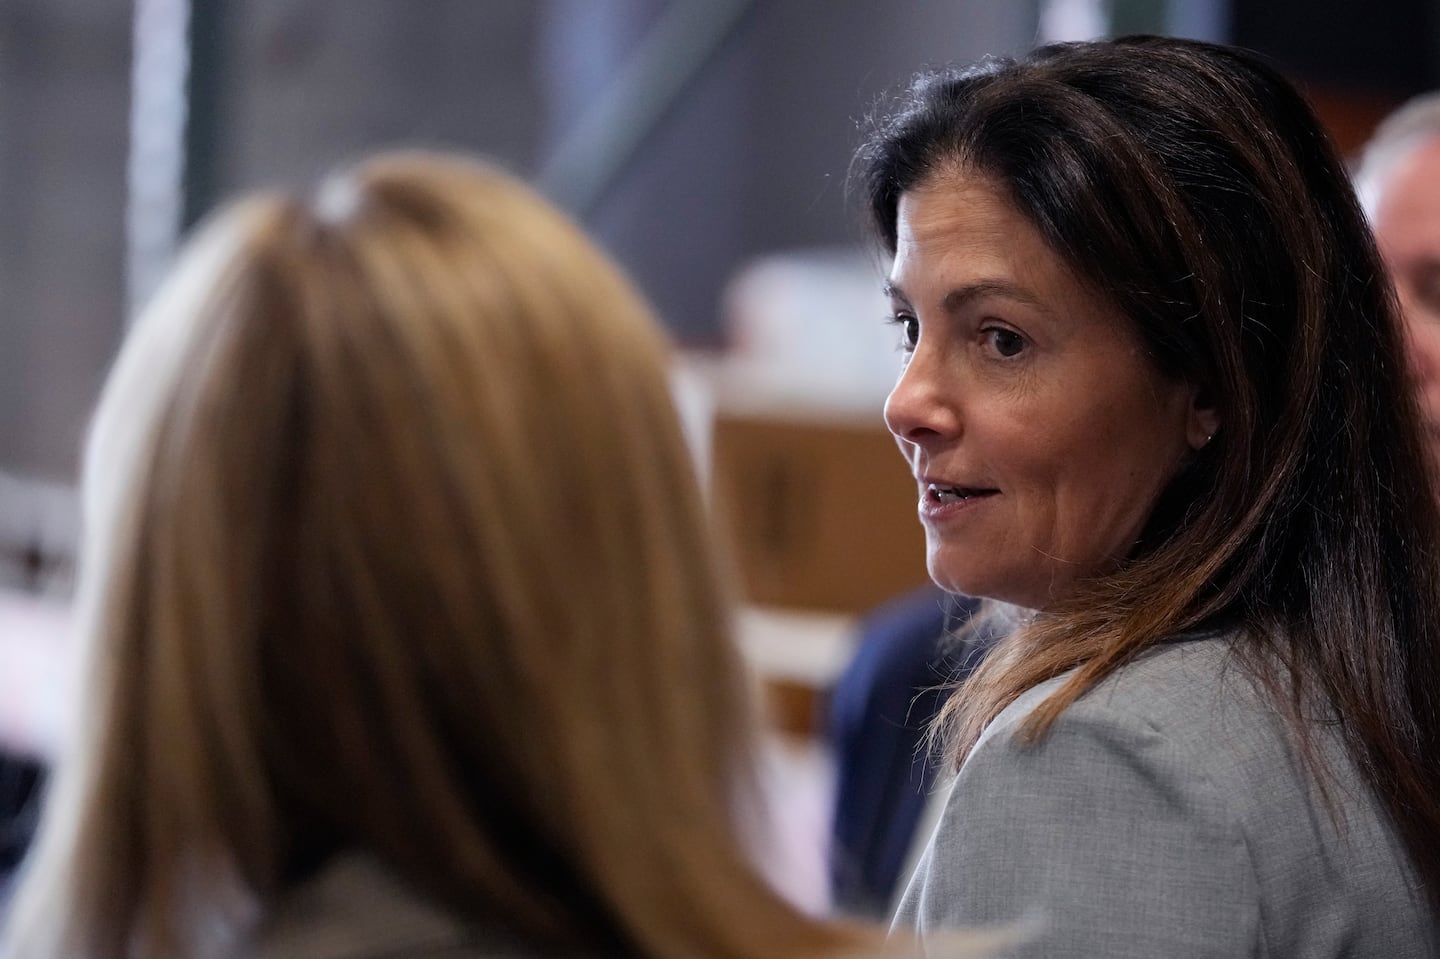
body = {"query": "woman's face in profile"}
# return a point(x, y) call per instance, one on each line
point(1038, 431)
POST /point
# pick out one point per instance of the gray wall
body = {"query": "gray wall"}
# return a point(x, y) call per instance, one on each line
point(64, 111)
point(306, 85)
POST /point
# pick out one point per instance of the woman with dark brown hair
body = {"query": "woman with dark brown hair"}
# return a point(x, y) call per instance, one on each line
point(1156, 405)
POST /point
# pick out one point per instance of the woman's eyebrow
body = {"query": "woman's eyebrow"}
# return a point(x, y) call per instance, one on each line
point(960, 297)
point(963, 296)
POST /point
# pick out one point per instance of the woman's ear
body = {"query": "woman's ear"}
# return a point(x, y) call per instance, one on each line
point(1203, 421)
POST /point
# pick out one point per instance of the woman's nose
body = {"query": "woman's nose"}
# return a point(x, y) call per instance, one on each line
point(920, 408)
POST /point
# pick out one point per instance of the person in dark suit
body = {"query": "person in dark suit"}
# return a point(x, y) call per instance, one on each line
point(20, 781)
point(912, 653)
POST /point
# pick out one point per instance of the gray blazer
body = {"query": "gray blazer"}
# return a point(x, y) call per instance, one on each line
point(1166, 816)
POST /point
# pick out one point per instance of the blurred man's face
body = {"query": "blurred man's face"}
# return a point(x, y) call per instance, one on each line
point(1407, 226)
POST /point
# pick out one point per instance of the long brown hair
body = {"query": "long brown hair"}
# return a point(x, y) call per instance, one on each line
point(1194, 187)
point(395, 545)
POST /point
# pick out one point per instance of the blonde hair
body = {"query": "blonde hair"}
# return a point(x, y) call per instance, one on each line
point(395, 545)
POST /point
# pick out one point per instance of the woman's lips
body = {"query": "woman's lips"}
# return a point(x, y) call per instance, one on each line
point(942, 499)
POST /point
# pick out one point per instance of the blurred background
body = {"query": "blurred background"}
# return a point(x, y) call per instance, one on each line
point(705, 143)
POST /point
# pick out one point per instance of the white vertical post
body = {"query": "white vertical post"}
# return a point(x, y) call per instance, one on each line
point(1066, 20)
point(156, 167)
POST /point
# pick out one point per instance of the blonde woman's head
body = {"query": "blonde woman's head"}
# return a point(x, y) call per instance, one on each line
point(394, 545)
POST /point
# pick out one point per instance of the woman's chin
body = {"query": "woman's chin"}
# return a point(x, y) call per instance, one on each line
point(962, 581)
point(975, 584)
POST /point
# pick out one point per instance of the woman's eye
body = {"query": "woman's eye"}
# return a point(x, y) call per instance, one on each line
point(909, 330)
point(1005, 342)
